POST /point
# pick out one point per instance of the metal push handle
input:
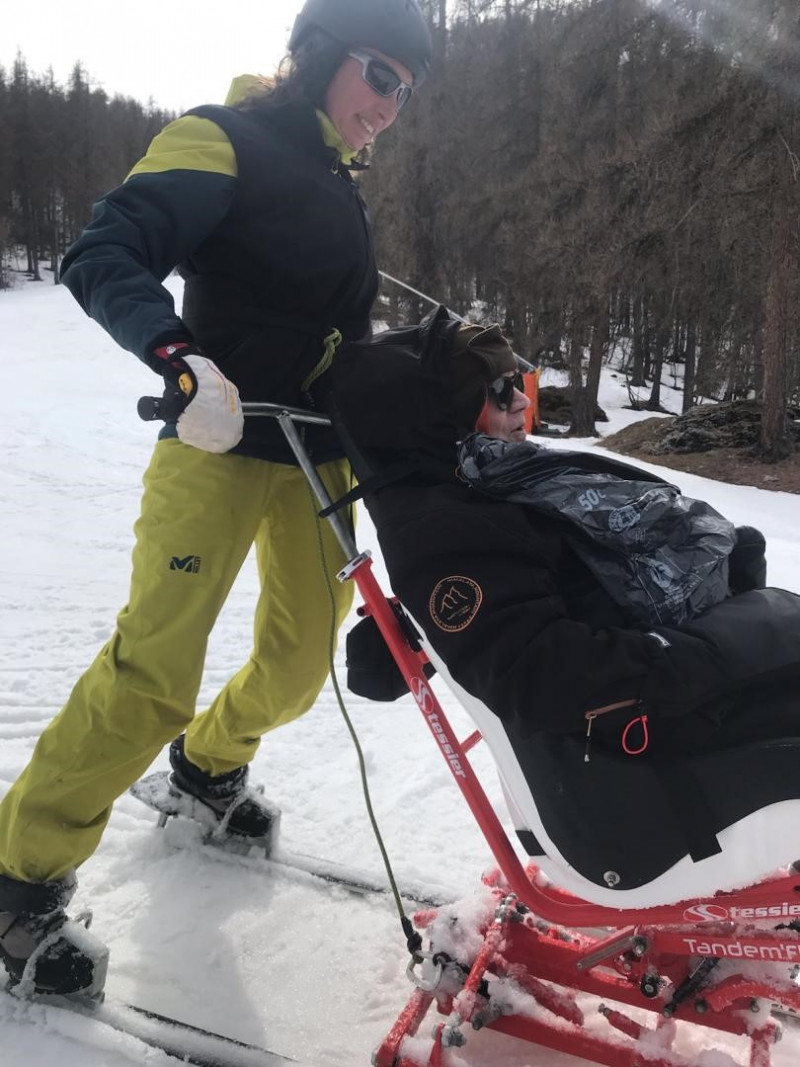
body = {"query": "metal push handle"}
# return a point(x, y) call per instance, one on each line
point(153, 408)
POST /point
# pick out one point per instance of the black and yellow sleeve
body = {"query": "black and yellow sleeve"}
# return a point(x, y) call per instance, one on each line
point(170, 202)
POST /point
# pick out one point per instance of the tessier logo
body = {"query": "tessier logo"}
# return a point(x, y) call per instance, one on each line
point(706, 913)
point(425, 701)
point(422, 695)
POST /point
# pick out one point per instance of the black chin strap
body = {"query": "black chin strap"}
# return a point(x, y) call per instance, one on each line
point(369, 481)
point(353, 165)
point(395, 473)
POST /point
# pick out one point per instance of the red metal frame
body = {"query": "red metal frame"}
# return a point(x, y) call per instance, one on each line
point(538, 937)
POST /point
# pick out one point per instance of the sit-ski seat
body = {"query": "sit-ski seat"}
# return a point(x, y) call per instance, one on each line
point(626, 832)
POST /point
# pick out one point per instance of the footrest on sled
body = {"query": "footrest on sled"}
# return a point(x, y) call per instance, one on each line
point(158, 793)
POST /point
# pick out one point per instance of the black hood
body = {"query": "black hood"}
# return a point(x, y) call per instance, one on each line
point(394, 398)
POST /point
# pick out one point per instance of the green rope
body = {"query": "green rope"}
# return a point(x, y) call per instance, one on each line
point(330, 344)
point(408, 929)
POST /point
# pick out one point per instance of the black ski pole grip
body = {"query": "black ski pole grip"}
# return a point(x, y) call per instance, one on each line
point(149, 408)
point(167, 408)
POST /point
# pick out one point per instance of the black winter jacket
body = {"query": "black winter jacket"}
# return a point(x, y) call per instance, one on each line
point(517, 617)
point(524, 626)
point(292, 260)
point(272, 240)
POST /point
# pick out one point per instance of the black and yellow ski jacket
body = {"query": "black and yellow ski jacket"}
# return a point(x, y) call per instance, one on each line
point(258, 211)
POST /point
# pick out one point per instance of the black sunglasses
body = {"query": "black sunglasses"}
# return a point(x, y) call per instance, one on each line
point(502, 390)
point(380, 77)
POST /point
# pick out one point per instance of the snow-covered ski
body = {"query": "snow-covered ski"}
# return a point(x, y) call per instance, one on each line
point(357, 882)
point(183, 1041)
point(154, 791)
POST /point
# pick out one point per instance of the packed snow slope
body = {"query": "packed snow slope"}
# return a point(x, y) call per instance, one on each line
point(242, 947)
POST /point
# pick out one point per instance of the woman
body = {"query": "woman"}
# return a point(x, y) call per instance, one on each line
point(256, 204)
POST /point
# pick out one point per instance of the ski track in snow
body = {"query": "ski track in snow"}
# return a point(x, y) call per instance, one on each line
point(241, 947)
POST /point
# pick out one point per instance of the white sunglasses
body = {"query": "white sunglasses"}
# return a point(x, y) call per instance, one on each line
point(380, 77)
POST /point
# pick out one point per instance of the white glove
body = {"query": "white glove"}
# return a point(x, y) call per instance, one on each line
point(213, 419)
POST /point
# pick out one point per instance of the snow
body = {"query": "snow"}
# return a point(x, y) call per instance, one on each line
point(241, 946)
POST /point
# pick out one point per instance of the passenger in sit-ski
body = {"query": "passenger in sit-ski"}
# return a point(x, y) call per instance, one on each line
point(568, 592)
point(614, 641)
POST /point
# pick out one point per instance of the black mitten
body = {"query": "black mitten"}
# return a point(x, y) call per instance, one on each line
point(747, 564)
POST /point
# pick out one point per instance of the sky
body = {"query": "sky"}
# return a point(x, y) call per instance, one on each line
point(180, 54)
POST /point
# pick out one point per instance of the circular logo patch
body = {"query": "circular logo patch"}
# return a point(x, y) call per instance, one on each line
point(454, 602)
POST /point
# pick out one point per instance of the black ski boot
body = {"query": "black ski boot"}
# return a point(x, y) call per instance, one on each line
point(43, 950)
point(238, 810)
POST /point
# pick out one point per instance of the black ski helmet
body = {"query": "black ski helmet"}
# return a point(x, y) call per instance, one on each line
point(394, 27)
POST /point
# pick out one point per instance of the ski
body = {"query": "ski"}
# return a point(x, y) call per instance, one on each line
point(182, 1041)
point(155, 792)
point(357, 882)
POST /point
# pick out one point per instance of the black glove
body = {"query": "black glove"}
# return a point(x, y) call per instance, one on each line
point(747, 565)
point(371, 669)
point(180, 382)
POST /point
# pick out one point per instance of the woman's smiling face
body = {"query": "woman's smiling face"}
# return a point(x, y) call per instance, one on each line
point(354, 108)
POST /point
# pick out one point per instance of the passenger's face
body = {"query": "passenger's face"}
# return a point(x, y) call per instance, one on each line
point(354, 108)
point(508, 424)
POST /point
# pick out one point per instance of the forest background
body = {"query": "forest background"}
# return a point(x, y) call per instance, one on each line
point(594, 174)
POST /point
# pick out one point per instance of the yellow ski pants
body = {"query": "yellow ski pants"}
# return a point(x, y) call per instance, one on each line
point(200, 515)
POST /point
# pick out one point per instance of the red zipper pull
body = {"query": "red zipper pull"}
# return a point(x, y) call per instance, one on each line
point(645, 737)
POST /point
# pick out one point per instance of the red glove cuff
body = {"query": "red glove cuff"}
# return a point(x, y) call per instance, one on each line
point(168, 352)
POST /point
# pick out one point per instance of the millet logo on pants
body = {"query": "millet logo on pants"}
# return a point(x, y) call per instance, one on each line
point(190, 564)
